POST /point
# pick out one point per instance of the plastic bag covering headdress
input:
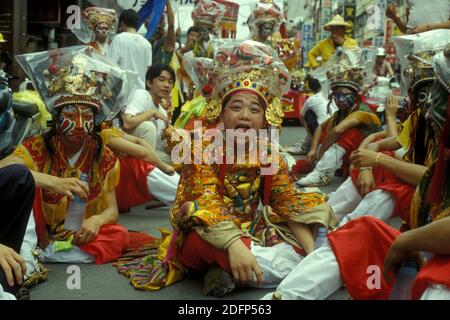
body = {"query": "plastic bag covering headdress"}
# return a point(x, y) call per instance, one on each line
point(416, 52)
point(441, 65)
point(207, 13)
point(79, 75)
point(348, 67)
point(264, 12)
point(241, 65)
point(90, 18)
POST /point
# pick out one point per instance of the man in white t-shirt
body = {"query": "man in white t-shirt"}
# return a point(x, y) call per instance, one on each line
point(144, 116)
point(129, 49)
point(315, 112)
point(422, 16)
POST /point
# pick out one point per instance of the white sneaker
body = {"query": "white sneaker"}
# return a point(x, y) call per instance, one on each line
point(300, 148)
point(314, 179)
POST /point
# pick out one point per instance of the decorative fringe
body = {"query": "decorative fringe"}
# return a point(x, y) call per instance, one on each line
point(56, 213)
point(23, 154)
point(110, 182)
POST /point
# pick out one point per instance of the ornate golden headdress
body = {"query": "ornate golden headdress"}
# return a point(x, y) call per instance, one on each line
point(242, 65)
point(91, 17)
point(95, 15)
point(77, 75)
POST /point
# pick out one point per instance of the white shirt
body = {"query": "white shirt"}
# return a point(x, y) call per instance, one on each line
point(140, 101)
point(431, 11)
point(318, 104)
point(132, 52)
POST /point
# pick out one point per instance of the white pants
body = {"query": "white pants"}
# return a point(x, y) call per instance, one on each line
point(29, 244)
point(347, 203)
point(6, 295)
point(436, 292)
point(316, 277)
point(331, 160)
point(275, 262)
point(162, 186)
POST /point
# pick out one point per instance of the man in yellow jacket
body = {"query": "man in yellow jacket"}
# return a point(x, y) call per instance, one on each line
point(327, 47)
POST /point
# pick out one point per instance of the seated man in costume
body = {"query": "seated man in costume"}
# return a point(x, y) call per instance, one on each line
point(384, 184)
point(344, 131)
point(96, 27)
point(81, 89)
point(215, 211)
point(367, 241)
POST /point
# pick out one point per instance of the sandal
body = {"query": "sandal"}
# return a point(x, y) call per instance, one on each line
point(23, 294)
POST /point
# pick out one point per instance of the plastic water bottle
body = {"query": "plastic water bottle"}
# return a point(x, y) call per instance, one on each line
point(426, 256)
point(404, 281)
point(321, 238)
point(76, 209)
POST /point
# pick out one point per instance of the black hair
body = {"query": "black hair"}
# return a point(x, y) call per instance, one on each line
point(155, 70)
point(193, 29)
point(130, 18)
point(314, 84)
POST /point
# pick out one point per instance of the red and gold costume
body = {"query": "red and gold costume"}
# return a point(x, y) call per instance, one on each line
point(70, 80)
point(216, 203)
point(104, 176)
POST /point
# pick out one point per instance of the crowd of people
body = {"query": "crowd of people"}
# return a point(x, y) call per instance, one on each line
point(115, 140)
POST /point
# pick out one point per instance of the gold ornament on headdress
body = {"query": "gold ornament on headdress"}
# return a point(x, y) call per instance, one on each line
point(79, 85)
point(96, 16)
point(257, 81)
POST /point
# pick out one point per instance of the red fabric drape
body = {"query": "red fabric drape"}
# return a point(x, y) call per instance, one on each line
point(132, 189)
point(357, 245)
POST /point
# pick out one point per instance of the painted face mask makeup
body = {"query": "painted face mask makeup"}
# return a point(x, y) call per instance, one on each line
point(344, 100)
point(266, 29)
point(75, 121)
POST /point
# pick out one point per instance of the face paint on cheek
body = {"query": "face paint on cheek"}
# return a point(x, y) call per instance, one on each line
point(88, 126)
point(65, 124)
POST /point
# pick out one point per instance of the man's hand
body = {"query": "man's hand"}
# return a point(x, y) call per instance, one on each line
point(419, 29)
point(68, 186)
point(160, 115)
point(394, 259)
point(243, 264)
point(391, 107)
point(88, 231)
point(11, 263)
point(365, 182)
point(311, 156)
point(363, 158)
